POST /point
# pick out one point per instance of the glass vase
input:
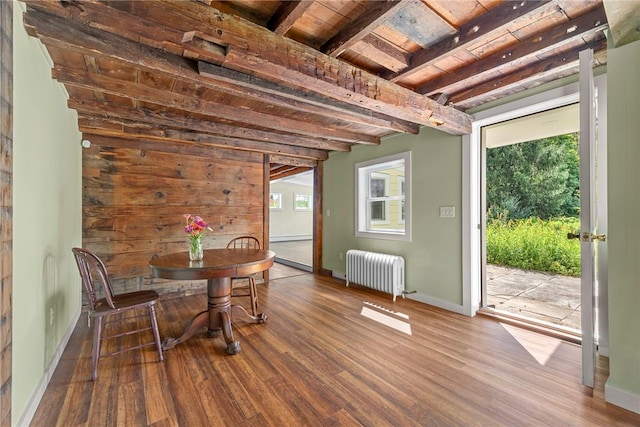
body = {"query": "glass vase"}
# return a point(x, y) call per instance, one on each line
point(195, 248)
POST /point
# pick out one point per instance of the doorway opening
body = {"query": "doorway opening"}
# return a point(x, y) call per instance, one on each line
point(531, 204)
point(291, 220)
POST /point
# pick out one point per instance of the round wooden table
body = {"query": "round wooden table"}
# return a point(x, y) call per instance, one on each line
point(218, 266)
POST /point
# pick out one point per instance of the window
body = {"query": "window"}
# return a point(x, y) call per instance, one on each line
point(383, 206)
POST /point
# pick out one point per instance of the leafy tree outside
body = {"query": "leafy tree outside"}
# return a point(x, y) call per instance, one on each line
point(533, 200)
point(534, 179)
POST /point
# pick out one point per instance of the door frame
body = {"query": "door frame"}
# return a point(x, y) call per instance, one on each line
point(472, 220)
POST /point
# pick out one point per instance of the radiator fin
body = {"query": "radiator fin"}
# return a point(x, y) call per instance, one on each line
point(382, 272)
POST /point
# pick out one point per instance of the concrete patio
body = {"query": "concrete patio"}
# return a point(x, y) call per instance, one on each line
point(543, 296)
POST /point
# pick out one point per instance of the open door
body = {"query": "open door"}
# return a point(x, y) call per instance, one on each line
point(588, 216)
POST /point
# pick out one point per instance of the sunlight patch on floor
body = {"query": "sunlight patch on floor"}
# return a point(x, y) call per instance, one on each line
point(540, 347)
point(387, 320)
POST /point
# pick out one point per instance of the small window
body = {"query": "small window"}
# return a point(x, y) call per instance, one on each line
point(383, 206)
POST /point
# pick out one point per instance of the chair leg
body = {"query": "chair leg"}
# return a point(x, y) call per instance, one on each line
point(156, 332)
point(97, 341)
point(253, 294)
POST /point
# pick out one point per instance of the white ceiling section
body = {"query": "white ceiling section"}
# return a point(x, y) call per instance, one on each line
point(558, 121)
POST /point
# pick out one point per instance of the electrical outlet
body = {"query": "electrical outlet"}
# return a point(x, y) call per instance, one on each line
point(447, 211)
point(50, 316)
point(341, 256)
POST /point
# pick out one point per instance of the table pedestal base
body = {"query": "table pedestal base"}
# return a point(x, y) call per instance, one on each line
point(217, 317)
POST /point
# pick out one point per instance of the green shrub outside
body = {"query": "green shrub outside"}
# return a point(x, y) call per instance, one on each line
point(535, 244)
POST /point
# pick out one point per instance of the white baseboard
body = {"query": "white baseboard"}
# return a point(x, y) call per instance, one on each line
point(30, 411)
point(456, 308)
point(622, 398)
point(446, 305)
point(290, 238)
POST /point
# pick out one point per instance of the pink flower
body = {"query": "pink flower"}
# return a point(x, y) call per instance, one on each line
point(195, 225)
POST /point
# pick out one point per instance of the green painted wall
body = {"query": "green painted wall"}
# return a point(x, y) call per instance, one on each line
point(47, 219)
point(623, 83)
point(433, 259)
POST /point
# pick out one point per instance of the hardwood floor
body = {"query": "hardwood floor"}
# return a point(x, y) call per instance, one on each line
point(318, 361)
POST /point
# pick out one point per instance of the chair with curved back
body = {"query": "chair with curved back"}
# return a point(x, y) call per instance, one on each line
point(240, 289)
point(93, 271)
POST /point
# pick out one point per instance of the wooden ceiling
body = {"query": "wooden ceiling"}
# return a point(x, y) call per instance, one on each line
point(300, 79)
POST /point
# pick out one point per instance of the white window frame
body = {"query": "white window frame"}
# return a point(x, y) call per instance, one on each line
point(362, 172)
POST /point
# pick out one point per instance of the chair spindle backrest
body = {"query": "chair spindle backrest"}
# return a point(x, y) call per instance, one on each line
point(244, 242)
point(92, 270)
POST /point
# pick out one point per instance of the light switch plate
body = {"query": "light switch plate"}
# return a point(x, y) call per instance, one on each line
point(447, 211)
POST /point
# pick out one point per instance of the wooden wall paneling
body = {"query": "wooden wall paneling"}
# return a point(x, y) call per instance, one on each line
point(135, 194)
point(6, 211)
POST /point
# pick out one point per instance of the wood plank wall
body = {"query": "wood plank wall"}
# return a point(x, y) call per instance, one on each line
point(6, 207)
point(135, 193)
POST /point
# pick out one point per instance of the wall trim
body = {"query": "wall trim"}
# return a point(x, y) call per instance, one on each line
point(27, 416)
point(621, 398)
point(290, 238)
point(436, 302)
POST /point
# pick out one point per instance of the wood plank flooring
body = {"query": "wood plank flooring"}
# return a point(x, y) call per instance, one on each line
point(318, 361)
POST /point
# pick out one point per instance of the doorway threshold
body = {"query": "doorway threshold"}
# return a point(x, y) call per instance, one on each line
point(294, 264)
point(540, 326)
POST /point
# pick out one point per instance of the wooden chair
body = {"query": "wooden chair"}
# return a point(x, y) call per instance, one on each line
point(92, 270)
point(249, 289)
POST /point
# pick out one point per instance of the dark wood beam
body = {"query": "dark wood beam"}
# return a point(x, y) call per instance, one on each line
point(195, 104)
point(536, 45)
point(285, 96)
point(390, 56)
point(292, 161)
point(376, 14)
point(538, 71)
point(163, 119)
point(255, 50)
point(287, 15)
point(107, 127)
point(55, 31)
point(496, 20)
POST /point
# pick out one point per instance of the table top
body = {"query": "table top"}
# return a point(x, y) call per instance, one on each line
point(216, 263)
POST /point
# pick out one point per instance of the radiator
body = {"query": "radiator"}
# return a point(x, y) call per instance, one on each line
point(382, 272)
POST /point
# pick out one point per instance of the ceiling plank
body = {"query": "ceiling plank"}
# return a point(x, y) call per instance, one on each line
point(174, 120)
point(287, 15)
point(538, 71)
point(104, 127)
point(377, 13)
point(497, 19)
point(586, 24)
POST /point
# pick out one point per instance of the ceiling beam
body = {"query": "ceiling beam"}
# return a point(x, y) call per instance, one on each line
point(376, 14)
point(498, 19)
point(104, 127)
point(294, 161)
point(312, 103)
point(287, 15)
point(255, 50)
point(59, 32)
point(195, 104)
point(173, 120)
point(538, 71)
point(536, 45)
